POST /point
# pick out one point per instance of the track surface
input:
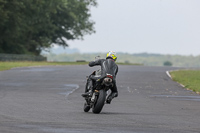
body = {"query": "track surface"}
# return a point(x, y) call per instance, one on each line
point(48, 100)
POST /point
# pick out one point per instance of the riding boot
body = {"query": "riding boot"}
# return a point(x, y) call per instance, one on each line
point(90, 89)
point(87, 94)
point(111, 96)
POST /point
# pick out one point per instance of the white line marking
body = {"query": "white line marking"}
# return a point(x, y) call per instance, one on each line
point(167, 72)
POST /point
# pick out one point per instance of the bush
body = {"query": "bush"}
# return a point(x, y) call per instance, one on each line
point(167, 63)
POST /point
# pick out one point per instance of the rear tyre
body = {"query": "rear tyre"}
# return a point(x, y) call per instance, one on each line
point(99, 102)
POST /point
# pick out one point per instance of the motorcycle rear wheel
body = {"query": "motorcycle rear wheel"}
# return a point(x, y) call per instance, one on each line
point(97, 107)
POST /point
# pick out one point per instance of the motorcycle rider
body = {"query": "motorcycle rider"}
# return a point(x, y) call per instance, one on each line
point(108, 66)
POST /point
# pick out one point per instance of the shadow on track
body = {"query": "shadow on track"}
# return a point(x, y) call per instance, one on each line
point(115, 113)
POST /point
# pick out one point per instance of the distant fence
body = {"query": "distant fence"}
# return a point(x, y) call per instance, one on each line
point(21, 57)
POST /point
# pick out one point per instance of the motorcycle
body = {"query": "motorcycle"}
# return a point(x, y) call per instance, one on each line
point(97, 98)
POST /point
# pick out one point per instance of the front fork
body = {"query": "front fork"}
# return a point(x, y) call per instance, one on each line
point(94, 95)
point(92, 100)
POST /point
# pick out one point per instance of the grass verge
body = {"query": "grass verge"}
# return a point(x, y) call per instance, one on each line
point(135, 64)
point(9, 65)
point(189, 78)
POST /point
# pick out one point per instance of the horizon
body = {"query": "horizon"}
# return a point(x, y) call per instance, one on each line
point(68, 50)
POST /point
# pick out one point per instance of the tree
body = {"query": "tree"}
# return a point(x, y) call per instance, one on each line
point(167, 63)
point(28, 26)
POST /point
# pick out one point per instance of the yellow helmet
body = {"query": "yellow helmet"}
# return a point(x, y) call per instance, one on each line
point(112, 55)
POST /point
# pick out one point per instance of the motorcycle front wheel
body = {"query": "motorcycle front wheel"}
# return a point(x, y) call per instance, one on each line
point(86, 107)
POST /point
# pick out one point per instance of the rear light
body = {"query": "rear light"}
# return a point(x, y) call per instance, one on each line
point(109, 76)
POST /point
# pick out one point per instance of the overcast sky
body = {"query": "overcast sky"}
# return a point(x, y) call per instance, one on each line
point(152, 26)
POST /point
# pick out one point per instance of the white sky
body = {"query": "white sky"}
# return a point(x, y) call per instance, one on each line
point(153, 26)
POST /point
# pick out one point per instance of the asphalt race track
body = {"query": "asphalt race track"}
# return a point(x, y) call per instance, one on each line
point(48, 100)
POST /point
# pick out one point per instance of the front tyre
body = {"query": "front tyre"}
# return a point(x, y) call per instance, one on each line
point(86, 107)
point(99, 102)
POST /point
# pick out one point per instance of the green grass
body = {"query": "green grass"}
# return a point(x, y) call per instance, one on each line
point(135, 64)
point(9, 65)
point(189, 78)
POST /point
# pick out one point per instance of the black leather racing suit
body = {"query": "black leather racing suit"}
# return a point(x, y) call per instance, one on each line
point(108, 66)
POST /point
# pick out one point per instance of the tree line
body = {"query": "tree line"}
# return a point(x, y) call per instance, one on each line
point(29, 26)
point(142, 58)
